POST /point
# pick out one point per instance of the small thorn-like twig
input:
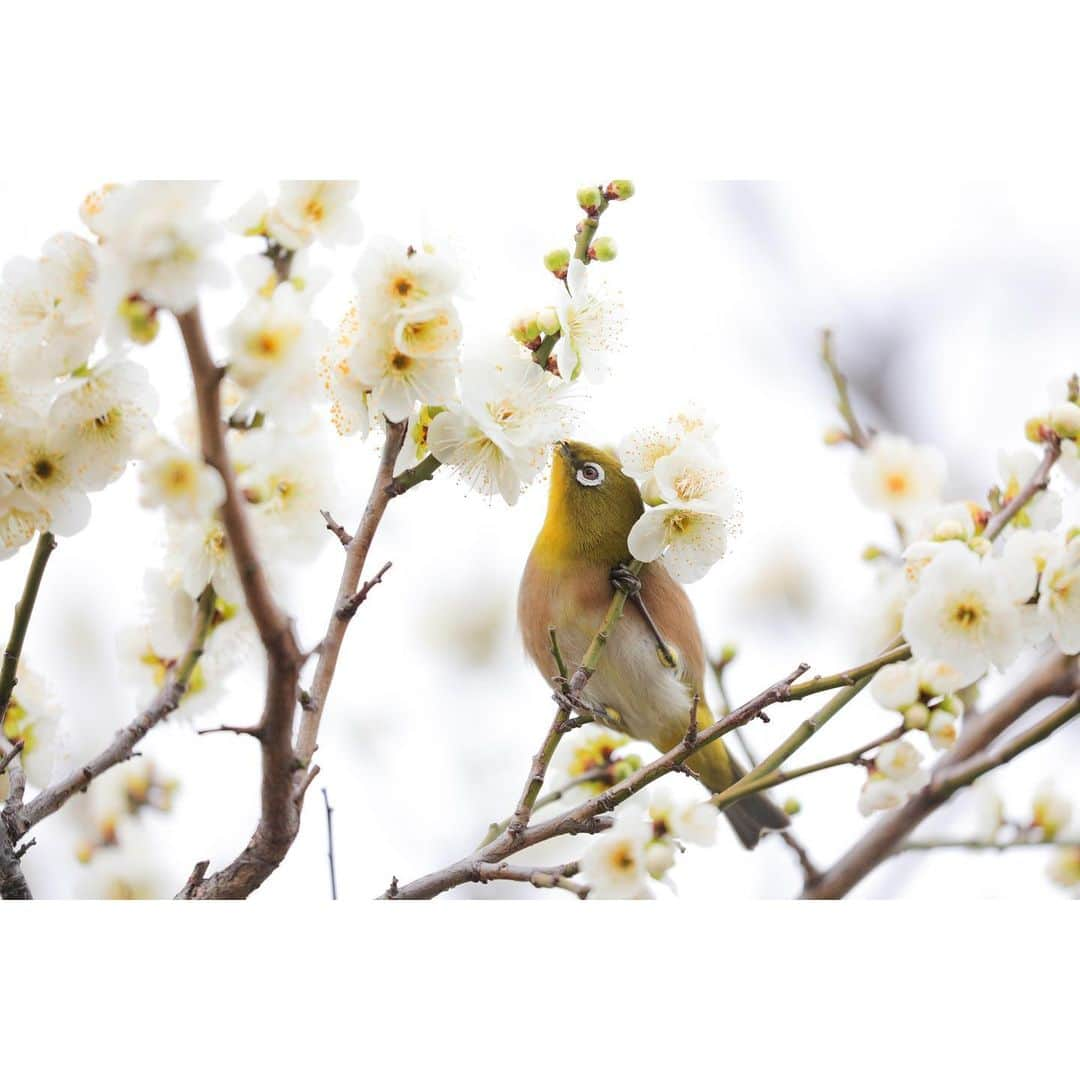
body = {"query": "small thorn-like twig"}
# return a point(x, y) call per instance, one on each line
point(10, 756)
point(305, 784)
point(330, 843)
point(254, 730)
point(557, 656)
point(21, 851)
point(690, 738)
point(338, 530)
point(349, 608)
point(195, 879)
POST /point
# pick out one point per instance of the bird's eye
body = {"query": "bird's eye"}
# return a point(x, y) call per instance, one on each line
point(590, 474)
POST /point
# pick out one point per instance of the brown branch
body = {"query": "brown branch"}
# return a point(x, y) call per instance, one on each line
point(590, 816)
point(12, 880)
point(1055, 677)
point(339, 531)
point(553, 877)
point(122, 748)
point(356, 552)
point(279, 819)
point(855, 431)
point(1039, 480)
point(349, 608)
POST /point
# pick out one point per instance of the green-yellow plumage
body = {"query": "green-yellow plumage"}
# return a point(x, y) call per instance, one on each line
point(592, 505)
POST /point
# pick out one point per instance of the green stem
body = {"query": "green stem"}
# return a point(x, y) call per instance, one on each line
point(851, 676)
point(805, 731)
point(543, 351)
point(23, 610)
point(843, 400)
point(987, 845)
point(588, 231)
point(416, 475)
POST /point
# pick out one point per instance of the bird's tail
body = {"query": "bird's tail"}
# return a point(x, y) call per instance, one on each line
point(750, 816)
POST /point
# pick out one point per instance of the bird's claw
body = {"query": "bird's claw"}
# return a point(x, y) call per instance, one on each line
point(625, 580)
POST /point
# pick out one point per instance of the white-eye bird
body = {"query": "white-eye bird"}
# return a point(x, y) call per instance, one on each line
point(567, 584)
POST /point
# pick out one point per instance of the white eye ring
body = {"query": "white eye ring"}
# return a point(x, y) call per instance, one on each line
point(590, 474)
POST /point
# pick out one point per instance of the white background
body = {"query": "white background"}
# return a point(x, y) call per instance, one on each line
point(473, 102)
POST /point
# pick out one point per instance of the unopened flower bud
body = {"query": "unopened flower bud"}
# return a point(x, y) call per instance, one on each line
point(589, 199)
point(548, 320)
point(620, 189)
point(948, 530)
point(603, 249)
point(141, 320)
point(942, 729)
point(525, 328)
point(84, 852)
point(728, 653)
point(557, 261)
point(1065, 420)
point(1051, 812)
point(916, 716)
point(1064, 868)
point(834, 436)
point(871, 552)
point(659, 858)
point(1036, 428)
point(980, 545)
point(792, 807)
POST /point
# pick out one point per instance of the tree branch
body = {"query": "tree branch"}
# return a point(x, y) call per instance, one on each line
point(23, 610)
point(356, 552)
point(1040, 478)
point(1055, 677)
point(123, 745)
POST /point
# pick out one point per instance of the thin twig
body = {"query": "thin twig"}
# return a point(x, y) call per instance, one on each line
point(552, 877)
point(855, 431)
point(339, 531)
point(989, 845)
point(23, 610)
point(1037, 482)
point(349, 608)
point(330, 843)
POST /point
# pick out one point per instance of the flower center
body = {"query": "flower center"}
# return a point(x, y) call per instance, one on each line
point(896, 483)
point(401, 362)
point(402, 286)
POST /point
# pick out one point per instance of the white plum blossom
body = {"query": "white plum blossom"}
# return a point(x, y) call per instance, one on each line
point(896, 686)
point(589, 324)
point(391, 279)
point(643, 449)
point(1064, 867)
point(308, 210)
point(200, 552)
point(398, 381)
point(285, 484)
point(961, 613)
point(1023, 562)
point(615, 864)
point(1059, 596)
point(34, 717)
point(273, 345)
point(156, 238)
point(1051, 811)
point(942, 728)
point(48, 314)
point(101, 415)
point(171, 478)
point(510, 412)
point(37, 461)
point(896, 773)
point(690, 818)
point(895, 475)
point(690, 526)
point(1043, 509)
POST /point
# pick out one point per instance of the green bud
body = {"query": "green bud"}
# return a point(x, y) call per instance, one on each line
point(548, 320)
point(872, 552)
point(525, 328)
point(141, 319)
point(620, 189)
point(589, 198)
point(1065, 420)
point(728, 653)
point(834, 436)
point(557, 261)
point(603, 249)
point(792, 806)
point(1035, 429)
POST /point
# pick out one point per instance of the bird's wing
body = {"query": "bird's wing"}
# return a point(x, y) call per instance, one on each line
point(671, 610)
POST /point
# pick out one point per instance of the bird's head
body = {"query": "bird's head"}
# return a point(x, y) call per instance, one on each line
point(592, 505)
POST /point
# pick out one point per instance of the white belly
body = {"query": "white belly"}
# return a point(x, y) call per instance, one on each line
point(651, 699)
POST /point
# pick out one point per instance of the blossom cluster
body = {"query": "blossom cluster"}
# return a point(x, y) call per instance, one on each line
point(689, 498)
point(968, 598)
point(641, 848)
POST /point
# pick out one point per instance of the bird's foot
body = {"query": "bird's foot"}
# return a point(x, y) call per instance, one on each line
point(625, 580)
